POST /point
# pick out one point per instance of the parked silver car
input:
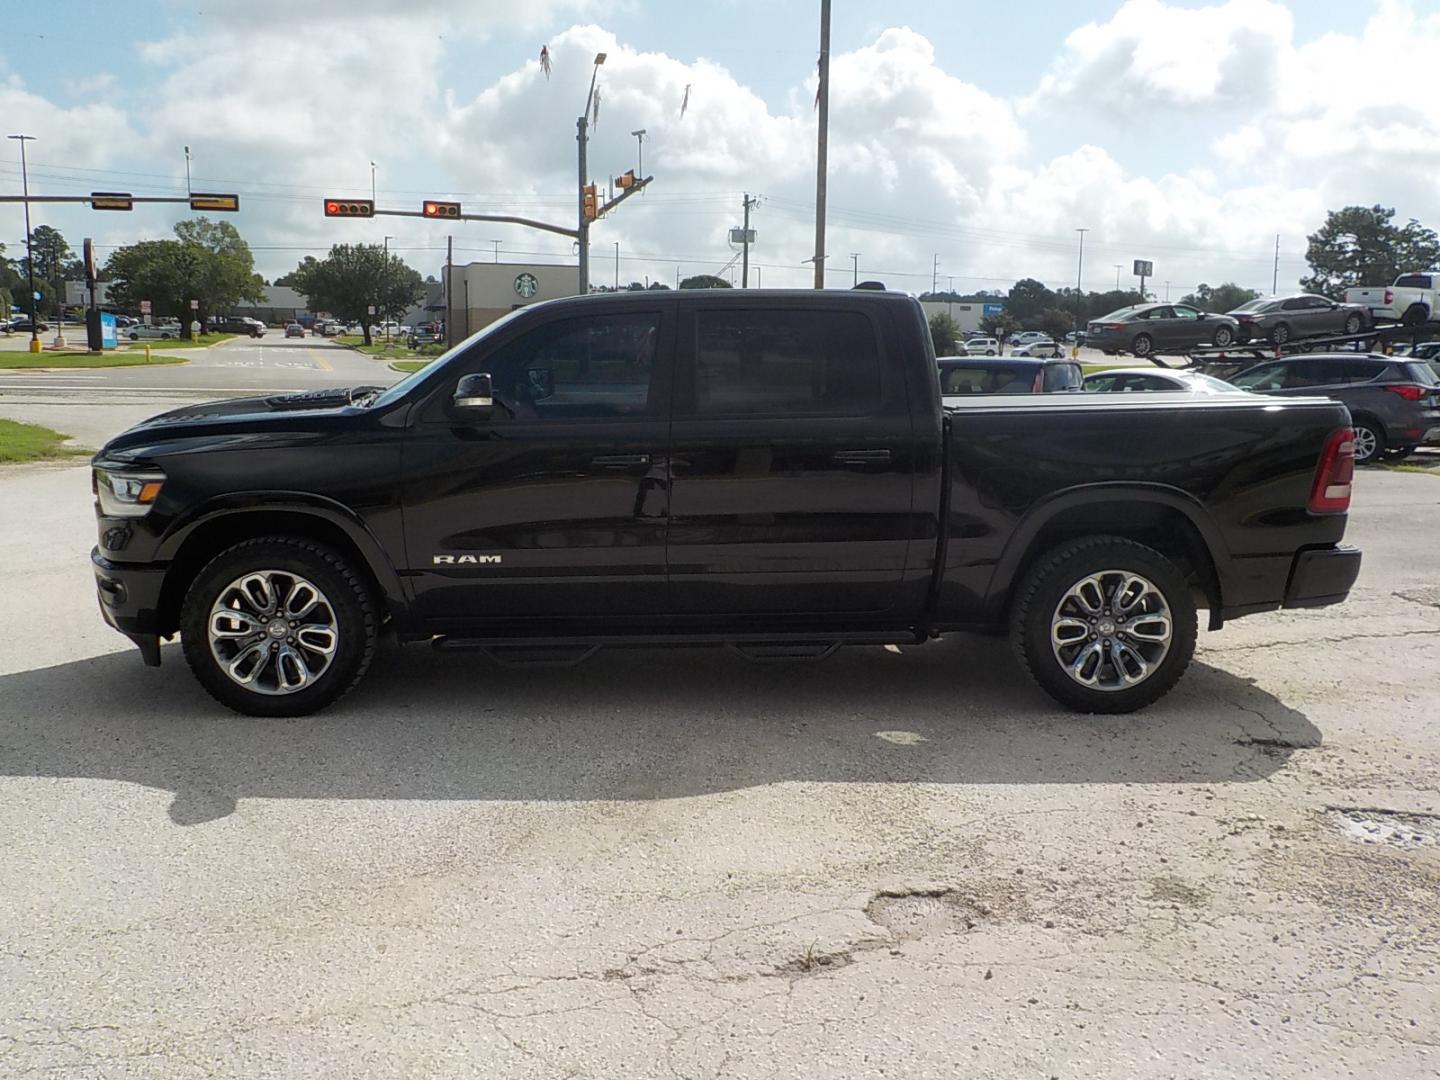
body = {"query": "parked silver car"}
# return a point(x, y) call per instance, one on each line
point(1279, 319)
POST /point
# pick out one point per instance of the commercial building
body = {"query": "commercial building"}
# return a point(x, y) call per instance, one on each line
point(480, 292)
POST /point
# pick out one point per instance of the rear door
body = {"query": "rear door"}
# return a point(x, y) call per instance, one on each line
point(792, 463)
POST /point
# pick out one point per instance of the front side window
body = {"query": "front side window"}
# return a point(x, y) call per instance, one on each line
point(1269, 377)
point(585, 368)
point(757, 363)
point(1186, 313)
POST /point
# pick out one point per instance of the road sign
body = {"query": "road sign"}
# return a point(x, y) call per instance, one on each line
point(111, 200)
point(144, 307)
point(1144, 268)
point(194, 305)
point(989, 310)
point(742, 236)
point(199, 201)
point(349, 208)
point(370, 310)
point(195, 326)
point(433, 209)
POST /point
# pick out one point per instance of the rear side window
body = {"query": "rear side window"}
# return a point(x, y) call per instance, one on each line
point(1421, 373)
point(1358, 371)
point(1414, 281)
point(757, 363)
point(1063, 377)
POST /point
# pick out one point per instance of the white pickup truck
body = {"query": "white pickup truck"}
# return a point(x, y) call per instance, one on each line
point(1414, 298)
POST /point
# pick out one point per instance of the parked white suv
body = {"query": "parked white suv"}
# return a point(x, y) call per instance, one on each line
point(981, 346)
point(1041, 346)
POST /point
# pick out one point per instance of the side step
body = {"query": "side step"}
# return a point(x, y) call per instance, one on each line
point(779, 652)
point(539, 654)
point(767, 649)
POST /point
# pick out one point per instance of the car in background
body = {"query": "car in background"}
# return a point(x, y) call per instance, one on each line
point(1145, 329)
point(1024, 337)
point(1413, 299)
point(1162, 380)
point(327, 328)
point(294, 329)
point(970, 375)
point(1394, 403)
point(122, 321)
point(1278, 319)
point(1428, 351)
point(424, 334)
point(982, 346)
point(238, 325)
point(166, 331)
point(1075, 337)
point(20, 323)
point(1038, 347)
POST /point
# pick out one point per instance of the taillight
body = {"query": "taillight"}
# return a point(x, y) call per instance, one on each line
point(1112, 326)
point(1406, 391)
point(1389, 296)
point(1039, 387)
point(1330, 494)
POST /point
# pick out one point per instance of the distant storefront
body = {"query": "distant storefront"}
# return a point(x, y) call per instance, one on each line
point(480, 293)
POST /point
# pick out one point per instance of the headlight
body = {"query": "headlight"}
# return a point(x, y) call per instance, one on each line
point(126, 493)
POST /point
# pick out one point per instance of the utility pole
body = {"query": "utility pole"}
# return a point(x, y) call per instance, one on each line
point(449, 291)
point(29, 247)
point(384, 277)
point(188, 189)
point(1167, 292)
point(822, 101)
point(1079, 276)
point(497, 249)
point(617, 265)
point(1275, 278)
point(855, 267)
point(935, 275)
point(582, 137)
point(1117, 277)
point(745, 243)
point(372, 181)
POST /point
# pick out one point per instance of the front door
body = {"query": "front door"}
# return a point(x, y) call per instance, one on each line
point(555, 506)
point(792, 464)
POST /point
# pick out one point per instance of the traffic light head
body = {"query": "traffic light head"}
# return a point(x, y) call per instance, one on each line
point(433, 209)
point(591, 203)
point(349, 208)
point(627, 181)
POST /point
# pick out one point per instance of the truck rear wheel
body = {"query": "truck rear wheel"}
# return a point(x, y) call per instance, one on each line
point(278, 626)
point(1104, 625)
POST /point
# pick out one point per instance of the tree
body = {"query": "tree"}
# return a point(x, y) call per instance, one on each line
point(355, 276)
point(1027, 299)
point(1221, 298)
point(295, 279)
point(944, 332)
point(53, 259)
point(705, 281)
point(659, 285)
point(1055, 321)
point(208, 263)
point(1359, 245)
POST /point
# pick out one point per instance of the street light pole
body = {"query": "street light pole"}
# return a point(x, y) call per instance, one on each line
point(29, 246)
point(372, 181)
point(582, 137)
point(1079, 275)
point(855, 267)
point(384, 277)
point(822, 144)
point(617, 265)
point(188, 189)
point(639, 152)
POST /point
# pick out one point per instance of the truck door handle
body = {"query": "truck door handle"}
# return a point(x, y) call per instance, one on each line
point(620, 461)
point(862, 457)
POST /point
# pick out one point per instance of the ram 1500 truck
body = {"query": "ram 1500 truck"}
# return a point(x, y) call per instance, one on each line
point(772, 470)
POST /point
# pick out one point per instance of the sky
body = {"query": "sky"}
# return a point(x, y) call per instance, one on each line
point(968, 141)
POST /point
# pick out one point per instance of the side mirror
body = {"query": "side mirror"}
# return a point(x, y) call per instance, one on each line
point(475, 394)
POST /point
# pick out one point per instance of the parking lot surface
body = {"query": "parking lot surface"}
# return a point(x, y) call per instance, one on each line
point(671, 863)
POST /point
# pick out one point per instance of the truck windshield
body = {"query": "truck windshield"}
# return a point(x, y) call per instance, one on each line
point(401, 388)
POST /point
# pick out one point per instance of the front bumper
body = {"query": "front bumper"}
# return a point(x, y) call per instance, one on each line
point(1322, 576)
point(129, 597)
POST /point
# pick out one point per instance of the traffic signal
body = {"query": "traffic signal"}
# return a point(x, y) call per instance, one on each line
point(627, 181)
point(214, 202)
point(111, 200)
point(592, 207)
point(349, 208)
point(434, 209)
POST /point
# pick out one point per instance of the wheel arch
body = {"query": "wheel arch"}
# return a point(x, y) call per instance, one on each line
point(1169, 521)
point(218, 527)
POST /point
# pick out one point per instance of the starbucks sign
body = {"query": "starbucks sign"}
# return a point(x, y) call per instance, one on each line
point(526, 285)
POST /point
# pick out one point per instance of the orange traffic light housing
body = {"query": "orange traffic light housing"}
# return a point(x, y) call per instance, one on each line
point(434, 209)
point(349, 208)
point(592, 205)
point(626, 182)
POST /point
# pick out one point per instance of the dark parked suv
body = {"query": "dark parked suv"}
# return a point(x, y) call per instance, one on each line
point(1394, 402)
point(1008, 375)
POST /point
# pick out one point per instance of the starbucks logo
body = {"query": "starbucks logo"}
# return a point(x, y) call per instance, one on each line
point(527, 285)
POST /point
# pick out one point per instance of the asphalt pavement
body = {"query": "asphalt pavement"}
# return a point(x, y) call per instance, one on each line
point(669, 863)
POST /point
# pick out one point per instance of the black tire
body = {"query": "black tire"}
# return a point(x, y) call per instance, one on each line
point(1369, 441)
point(1224, 336)
point(1354, 323)
point(1280, 335)
point(1143, 345)
point(1045, 586)
point(356, 622)
point(1414, 315)
point(989, 352)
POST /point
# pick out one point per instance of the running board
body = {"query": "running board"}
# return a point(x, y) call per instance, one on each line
point(769, 648)
point(779, 652)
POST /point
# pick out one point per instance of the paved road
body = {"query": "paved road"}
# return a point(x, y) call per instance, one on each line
point(94, 404)
point(670, 863)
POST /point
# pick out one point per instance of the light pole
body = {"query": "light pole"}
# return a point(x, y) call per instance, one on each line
point(29, 248)
point(855, 268)
point(384, 277)
point(497, 250)
point(372, 181)
point(639, 152)
point(188, 189)
point(1079, 274)
point(582, 137)
point(617, 265)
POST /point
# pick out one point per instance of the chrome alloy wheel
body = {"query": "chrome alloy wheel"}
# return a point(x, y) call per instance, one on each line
point(1111, 630)
point(1366, 444)
point(273, 632)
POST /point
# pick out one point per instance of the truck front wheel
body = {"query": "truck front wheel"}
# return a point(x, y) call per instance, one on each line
point(1104, 625)
point(278, 626)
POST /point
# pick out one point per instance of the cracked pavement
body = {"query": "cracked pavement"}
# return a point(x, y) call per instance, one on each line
point(675, 864)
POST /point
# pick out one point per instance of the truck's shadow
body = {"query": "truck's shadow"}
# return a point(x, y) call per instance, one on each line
point(649, 724)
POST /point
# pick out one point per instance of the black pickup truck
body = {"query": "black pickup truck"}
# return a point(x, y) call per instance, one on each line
point(776, 471)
